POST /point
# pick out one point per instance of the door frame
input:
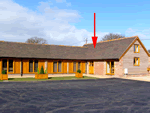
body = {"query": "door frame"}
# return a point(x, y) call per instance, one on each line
point(91, 67)
point(110, 67)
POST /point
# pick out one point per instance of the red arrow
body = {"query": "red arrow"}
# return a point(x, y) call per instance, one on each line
point(94, 38)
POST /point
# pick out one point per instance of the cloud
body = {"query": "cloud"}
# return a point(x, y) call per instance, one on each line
point(63, 1)
point(143, 34)
point(130, 30)
point(19, 23)
point(68, 4)
point(60, 1)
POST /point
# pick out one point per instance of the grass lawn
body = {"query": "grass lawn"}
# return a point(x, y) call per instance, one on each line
point(50, 78)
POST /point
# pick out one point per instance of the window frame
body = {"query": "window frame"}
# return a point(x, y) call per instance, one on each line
point(74, 66)
point(135, 64)
point(79, 65)
point(135, 46)
point(9, 65)
point(54, 68)
point(57, 66)
point(33, 65)
point(86, 63)
point(7, 59)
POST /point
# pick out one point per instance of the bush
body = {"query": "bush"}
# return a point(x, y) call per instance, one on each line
point(45, 71)
point(38, 71)
point(42, 70)
point(3, 72)
point(78, 71)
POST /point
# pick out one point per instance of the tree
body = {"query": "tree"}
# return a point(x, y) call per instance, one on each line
point(111, 36)
point(149, 50)
point(42, 70)
point(36, 40)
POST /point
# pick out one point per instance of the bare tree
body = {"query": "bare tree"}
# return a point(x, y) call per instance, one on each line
point(36, 40)
point(111, 36)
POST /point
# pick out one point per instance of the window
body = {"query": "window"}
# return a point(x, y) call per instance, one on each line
point(30, 65)
point(59, 66)
point(10, 65)
point(78, 65)
point(4, 65)
point(110, 67)
point(85, 67)
point(136, 61)
point(55, 66)
point(35, 65)
point(74, 66)
point(136, 48)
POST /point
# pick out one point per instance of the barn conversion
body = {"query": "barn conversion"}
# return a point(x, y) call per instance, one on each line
point(108, 58)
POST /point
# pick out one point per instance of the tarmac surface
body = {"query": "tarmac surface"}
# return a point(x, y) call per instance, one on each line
point(112, 95)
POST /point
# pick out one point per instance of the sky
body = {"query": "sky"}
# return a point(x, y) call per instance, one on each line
point(69, 22)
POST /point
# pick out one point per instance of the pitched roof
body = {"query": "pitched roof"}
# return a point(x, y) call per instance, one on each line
point(104, 50)
point(24, 50)
point(112, 49)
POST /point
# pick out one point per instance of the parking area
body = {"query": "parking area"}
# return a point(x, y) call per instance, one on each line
point(111, 95)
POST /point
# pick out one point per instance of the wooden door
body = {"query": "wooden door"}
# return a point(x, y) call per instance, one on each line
point(64, 67)
point(83, 67)
point(70, 67)
point(50, 66)
point(17, 65)
point(91, 67)
point(25, 66)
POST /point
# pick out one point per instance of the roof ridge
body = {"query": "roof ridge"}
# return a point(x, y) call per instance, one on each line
point(44, 44)
point(113, 40)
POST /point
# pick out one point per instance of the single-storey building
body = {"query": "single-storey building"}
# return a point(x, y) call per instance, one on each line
point(108, 58)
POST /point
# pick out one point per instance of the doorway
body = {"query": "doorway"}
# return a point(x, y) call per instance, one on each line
point(91, 67)
point(110, 67)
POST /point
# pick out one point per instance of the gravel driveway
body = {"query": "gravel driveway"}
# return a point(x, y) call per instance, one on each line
point(112, 95)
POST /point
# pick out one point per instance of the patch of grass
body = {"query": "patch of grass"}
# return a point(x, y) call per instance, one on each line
point(71, 78)
point(25, 79)
point(50, 78)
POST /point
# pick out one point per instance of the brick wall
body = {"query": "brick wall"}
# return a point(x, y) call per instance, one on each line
point(99, 68)
point(119, 71)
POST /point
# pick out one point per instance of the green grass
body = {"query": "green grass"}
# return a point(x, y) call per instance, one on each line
point(50, 78)
point(71, 78)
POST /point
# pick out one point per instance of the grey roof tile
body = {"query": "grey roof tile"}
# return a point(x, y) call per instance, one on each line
point(104, 50)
